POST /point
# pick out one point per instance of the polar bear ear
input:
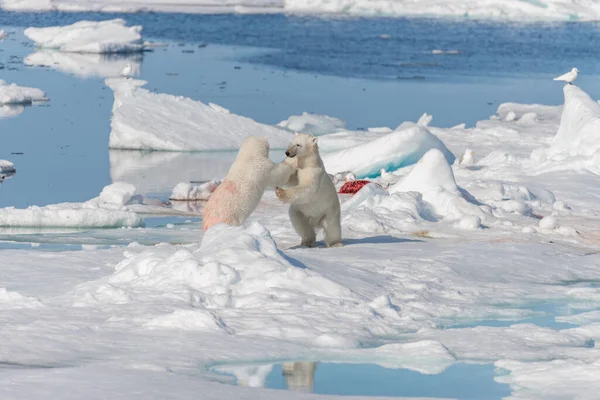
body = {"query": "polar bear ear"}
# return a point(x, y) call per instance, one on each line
point(315, 140)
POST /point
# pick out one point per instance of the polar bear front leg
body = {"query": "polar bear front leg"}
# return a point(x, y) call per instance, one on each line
point(303, 228)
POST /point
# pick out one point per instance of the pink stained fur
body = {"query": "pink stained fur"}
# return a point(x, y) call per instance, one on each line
point(218, 208)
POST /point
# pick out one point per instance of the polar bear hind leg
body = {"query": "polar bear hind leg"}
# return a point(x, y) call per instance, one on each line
point(333, 230)
point(303, 227)
point(220, 207)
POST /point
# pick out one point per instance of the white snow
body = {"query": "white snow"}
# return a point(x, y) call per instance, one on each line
point(400, 148)
point(3, 35)
point(84, 64)
point(143, 120)
point(561, 10)
point(112, 36)
point(11, 94)
point(187, 191)
point(106, 211)
point(313, 123)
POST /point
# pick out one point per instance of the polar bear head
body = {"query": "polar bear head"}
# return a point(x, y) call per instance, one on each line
point(254, 146)
point(302, 145)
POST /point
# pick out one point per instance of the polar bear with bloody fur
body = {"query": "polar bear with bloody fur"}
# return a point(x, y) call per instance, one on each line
point(314, 202)
point(243, 187)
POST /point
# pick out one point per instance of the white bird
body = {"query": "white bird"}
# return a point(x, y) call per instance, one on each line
point(569, 77)
point(127, 71)
point(467, 159)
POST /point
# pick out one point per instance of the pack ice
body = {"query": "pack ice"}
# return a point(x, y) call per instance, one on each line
point(109, 210)
point(112, 36)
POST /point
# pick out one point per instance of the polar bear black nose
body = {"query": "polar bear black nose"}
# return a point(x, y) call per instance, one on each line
point(287, 153)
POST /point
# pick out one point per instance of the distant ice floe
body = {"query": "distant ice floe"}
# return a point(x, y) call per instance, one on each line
point(553, 10)
point(112, 36)
point(3, 35)
point(143, 120)
point(85, 64)
point(11, 94)
point(313, 123)
point(7, 167)
point(109, 210)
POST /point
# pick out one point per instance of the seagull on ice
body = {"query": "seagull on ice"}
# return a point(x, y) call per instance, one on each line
point(127, 71)
point(569, 77)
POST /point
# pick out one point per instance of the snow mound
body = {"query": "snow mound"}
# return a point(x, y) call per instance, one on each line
point(11, 300)
point(143, 120)
point(579, 131)
point(236, 281)
point(400, 148)
point(188, 191)
point(432, 176)
point(313, 123)
point(112, 36)
point(13, 94)
point(7, 167)
point(106, 211)
point(85, 65)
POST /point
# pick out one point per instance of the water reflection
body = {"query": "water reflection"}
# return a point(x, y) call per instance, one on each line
point(9, 111)
point(300, 375)
point(86, 65)
point(459, 381)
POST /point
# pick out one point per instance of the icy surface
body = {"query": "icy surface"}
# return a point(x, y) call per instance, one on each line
point(112, 36)
point(11, 94)
point(143, 120)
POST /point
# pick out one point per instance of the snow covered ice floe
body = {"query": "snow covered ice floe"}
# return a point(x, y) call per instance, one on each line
point(3, 35)
point(109, 210)
point(391, 151)
point(7, 167)
point(11, 94)
point(142, 120)
point(112, 36)
point(85, 64)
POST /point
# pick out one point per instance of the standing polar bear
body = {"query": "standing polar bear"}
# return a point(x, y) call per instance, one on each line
point(314, 200)
point(239, 194)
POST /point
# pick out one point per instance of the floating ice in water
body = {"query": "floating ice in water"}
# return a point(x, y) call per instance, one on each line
point(400, 148)
point(3, 35)
point(313, 123)
point(112, 36)
point(11, 94)
point(438, 52)
point(7, 167)
point(187, 191)
point(106, 211)
point(85, 65)
point(143, 120)
point(8, 111)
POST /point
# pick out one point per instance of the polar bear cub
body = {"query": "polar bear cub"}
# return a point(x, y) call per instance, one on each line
point(314, 200)
point(243, 187)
